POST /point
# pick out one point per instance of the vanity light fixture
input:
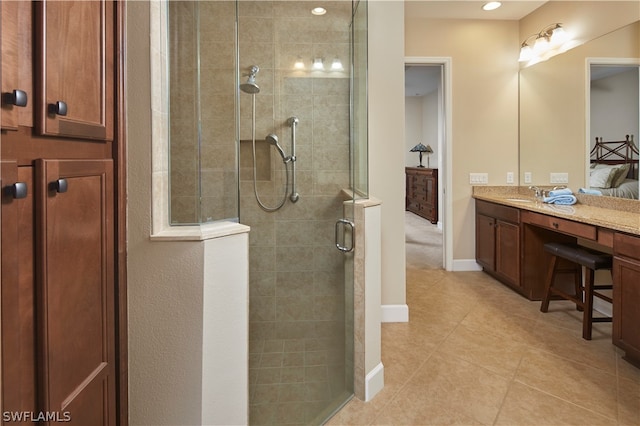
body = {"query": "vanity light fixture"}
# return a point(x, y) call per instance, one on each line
point(492, 5)
point(318, 11)
point(551, 37)
point(299, 64)
point(317, 64)
point(336, 65)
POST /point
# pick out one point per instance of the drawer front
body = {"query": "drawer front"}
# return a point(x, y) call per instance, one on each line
point(419, 180)
point(564, 226)
point(506, 213)
point(413, 206)
point(626, 245)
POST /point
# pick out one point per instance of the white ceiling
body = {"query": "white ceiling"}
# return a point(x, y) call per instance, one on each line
point(464, 9)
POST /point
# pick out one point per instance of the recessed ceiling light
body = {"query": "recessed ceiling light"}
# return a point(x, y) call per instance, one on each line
point(318, 11)
point(492, 5)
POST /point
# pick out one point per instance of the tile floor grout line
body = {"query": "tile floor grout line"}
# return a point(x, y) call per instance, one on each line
point(512, 381)
point(566, 400)
point(404, 384)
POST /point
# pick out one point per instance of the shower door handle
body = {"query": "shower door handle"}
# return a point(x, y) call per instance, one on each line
point(344, 224)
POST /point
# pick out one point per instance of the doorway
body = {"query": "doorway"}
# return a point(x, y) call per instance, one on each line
point(427, 129)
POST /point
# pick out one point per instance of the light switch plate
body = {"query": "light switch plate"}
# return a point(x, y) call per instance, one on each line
point(559, 177)
point(509, 177)
point(527, 177)
point(478, 178)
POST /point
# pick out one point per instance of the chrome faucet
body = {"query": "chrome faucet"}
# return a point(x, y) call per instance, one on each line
point(538, 192)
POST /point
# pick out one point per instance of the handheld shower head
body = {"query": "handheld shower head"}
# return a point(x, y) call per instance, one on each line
point(273, 140)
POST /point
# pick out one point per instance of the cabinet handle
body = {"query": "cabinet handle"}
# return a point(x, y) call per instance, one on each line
point(59, 108)
point(17, 98)
point(59, 186)
point(555, 225)
point(18, 190)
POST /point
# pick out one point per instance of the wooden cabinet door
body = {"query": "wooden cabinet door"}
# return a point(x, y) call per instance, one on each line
point(486, 241)
point(508, 252)
point(75, 283)
point(16, 75)
point(75, 58)
point(18, 332)
point(626, 315)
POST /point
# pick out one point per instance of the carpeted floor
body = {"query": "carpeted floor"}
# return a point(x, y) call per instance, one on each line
point(423, 243)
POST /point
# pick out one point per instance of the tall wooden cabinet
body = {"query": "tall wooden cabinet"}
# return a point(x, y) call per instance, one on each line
point(422, 192)
point(59, 248)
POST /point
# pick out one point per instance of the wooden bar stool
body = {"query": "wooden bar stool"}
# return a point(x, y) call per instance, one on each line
point(583, 298)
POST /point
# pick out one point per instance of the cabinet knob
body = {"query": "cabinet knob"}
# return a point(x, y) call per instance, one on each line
point(17, 98)
point(59, 186)
point(17, 190)
point(59, 108)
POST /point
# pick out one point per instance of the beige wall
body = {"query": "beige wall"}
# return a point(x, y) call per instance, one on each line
point(386, 139)
point(484, 107)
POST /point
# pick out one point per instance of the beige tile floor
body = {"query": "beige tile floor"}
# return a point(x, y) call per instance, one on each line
point(475, 352)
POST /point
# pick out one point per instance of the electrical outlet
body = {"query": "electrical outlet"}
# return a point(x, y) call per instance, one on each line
point(527, 177)
point(478, 178)
point(509, 177)
point(559, 177)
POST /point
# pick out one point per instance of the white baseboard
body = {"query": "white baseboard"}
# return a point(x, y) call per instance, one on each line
point(603, 307)
point(465, 265)
point(395, 313)
point(374, 382)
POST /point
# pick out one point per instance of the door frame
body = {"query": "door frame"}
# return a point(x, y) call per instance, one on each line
point(445, 150)
point(120, 219)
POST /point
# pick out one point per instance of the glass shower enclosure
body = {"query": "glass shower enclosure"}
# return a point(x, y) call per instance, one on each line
point(268, 127)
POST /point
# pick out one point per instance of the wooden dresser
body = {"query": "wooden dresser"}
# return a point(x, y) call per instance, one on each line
point(422, 192)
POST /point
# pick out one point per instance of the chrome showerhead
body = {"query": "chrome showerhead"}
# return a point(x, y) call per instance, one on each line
point(250, 86)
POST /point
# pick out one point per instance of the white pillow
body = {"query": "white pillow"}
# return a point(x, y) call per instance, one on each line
point(619, 173)
point(602, 177)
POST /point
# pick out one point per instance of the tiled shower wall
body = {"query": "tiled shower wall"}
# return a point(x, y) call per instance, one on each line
point(297, 292)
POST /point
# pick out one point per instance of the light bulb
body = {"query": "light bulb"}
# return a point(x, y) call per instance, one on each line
point(317, 64)
point(541, 45)
point(318, 11)
point(526, 53)
point(336, 65)
point(492, 5)
point(558, 36)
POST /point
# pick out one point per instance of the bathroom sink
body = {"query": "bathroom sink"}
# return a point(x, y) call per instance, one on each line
point(518, 200)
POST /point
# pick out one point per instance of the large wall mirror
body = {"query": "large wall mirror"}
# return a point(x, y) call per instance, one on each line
point(566, 102)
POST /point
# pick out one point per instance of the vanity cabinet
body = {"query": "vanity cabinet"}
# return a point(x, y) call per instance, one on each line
point(422, 192)
point(498, 242)
point(626, 295)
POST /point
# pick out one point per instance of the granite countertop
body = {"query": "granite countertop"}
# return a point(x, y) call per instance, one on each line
point(607, 212)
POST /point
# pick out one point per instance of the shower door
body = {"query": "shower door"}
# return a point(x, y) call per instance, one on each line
point(301, 292)
point(269, 114)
